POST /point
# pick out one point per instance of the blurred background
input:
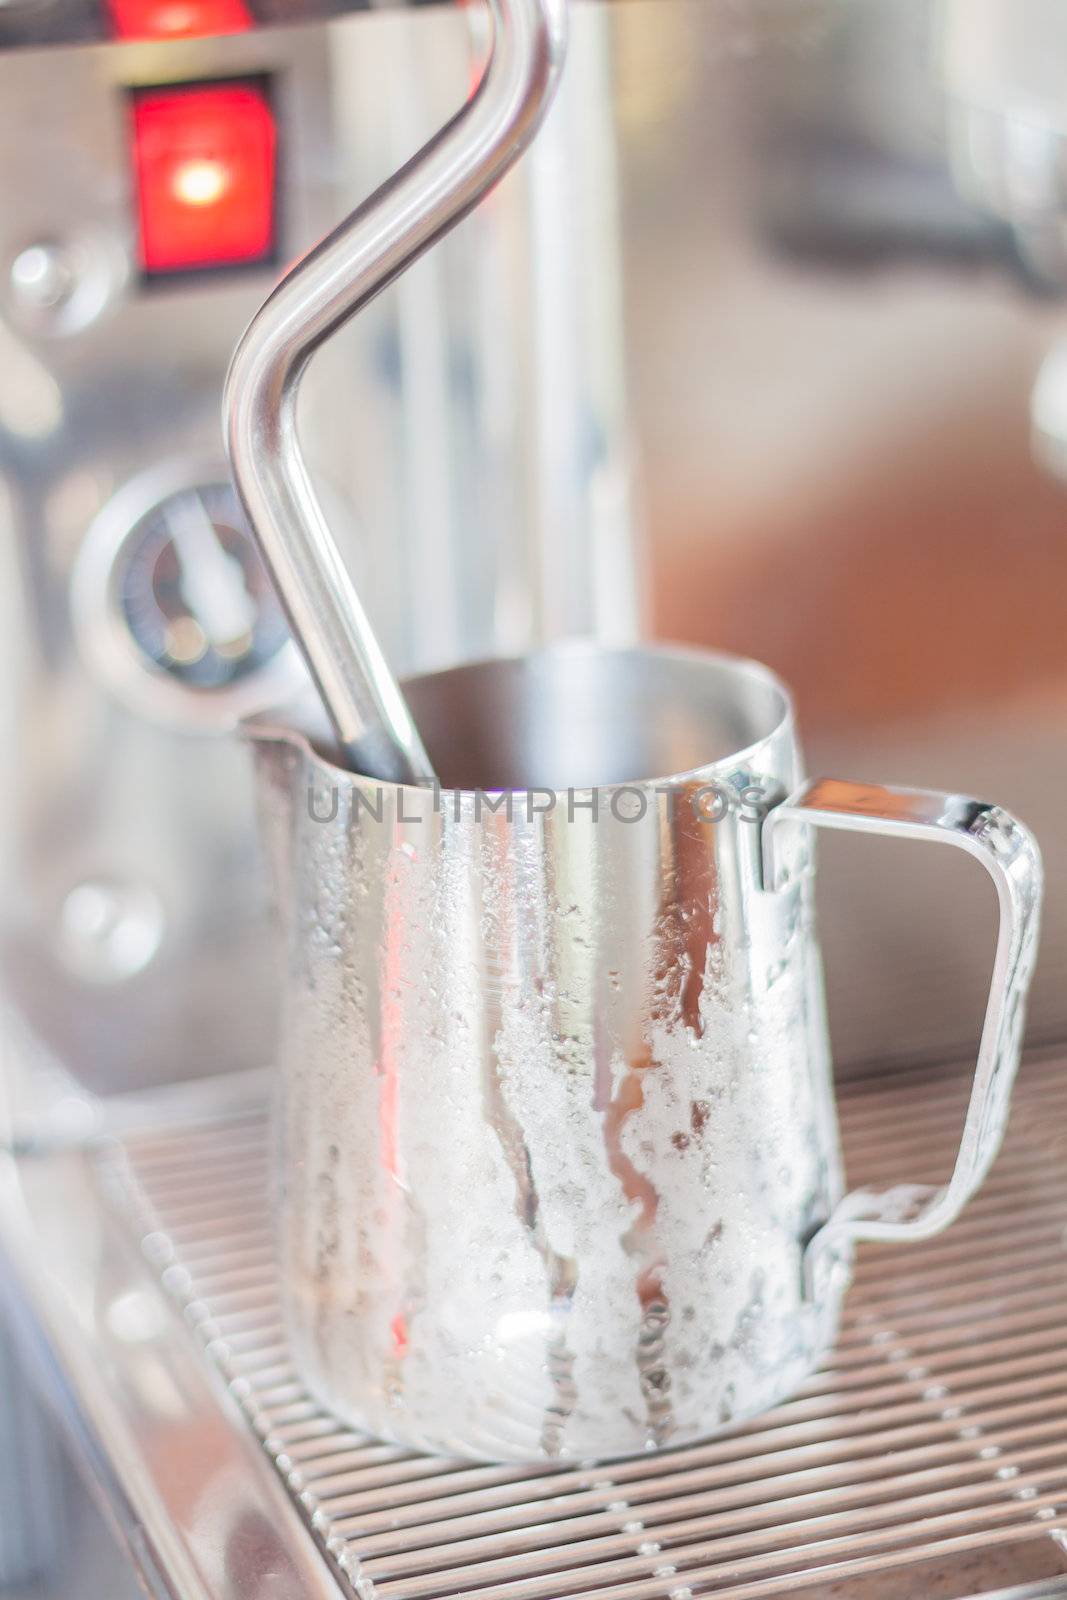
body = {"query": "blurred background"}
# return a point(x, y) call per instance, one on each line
point(844, 250)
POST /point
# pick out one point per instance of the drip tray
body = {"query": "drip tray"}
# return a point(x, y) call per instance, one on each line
point(928, 1458)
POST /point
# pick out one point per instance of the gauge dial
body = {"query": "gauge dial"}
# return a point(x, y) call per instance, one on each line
point(173, 605)
point(193, 591)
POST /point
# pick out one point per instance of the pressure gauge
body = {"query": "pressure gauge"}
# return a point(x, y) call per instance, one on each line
point(173, 607)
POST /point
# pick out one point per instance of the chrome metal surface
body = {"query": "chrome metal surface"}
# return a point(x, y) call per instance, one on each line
point(555, 1114)
point(113, 796)
point(81, 1554)
point(404, 218)
point(29, 1478)
point(1043, 1589)
point(199, 1513)
point(926, 1460)
point(499, 473)
point(40, 24)
point(1009, 854)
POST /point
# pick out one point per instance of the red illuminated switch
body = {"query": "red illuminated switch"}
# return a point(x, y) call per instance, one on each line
point(178, 19)
point(204, 157)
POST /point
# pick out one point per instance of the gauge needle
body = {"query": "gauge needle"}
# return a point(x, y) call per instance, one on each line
point(212, 580)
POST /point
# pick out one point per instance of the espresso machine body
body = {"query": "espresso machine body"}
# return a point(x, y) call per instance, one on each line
point(134, 909)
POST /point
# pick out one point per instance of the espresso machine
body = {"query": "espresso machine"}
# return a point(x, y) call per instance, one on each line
point(759, 347)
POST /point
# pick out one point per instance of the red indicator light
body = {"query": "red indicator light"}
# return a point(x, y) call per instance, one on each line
point(204, 158)
point(178, 19)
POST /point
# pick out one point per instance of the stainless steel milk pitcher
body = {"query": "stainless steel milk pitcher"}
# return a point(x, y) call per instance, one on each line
point(559, 1172)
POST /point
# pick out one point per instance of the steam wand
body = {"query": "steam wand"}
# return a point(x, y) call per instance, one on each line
point(409, 213)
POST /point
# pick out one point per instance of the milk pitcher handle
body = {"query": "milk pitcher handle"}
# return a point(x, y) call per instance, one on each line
point(1009, 853)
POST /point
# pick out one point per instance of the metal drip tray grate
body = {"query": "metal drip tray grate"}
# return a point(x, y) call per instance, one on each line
point(937, 1430)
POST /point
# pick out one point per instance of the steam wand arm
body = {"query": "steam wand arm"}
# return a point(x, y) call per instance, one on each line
point(390, 230)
